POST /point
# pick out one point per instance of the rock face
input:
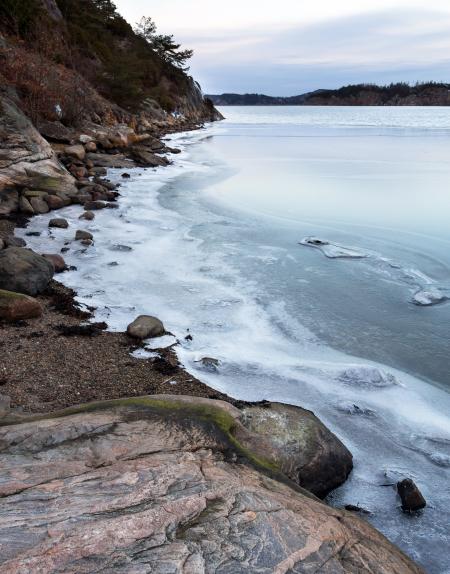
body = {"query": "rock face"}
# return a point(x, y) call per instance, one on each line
point(15, 306)
point(308, 453)
point(177, 495)
point(145, 326)
point(25, 157)
point(24, 271)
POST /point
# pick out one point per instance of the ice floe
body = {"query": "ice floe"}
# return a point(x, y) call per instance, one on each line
point(366, 376)
point(427, 291)
point(334, 250)
point(429, 296)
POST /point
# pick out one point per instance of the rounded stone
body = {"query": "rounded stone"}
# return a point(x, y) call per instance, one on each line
point(145, 327)
point(24, 271)
point(59, 223)
point(16, 306)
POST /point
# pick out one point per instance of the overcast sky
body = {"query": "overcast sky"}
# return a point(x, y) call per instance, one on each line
point(287, 47)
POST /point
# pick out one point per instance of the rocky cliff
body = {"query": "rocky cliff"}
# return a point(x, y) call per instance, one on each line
point(67, 67)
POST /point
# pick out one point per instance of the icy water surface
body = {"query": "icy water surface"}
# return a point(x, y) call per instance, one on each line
point(307, 249)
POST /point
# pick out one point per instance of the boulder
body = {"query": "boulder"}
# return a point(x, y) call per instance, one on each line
point(16, 306)
point(90, 146)
point(306, 450)
point(76, 151)
point(59, 223)
point(59, 265)
point(146, 158)
point(65, 198)
point(80, 172)
point(55, 132)
point(25, 206)
point(412, 498)
point(82, 198)
point(23, 271)
point(12, 241)
point(160, 484)
point(85, 139)
point(99, 171)
point(2, 244)
point(39, 205)
point(54, 202)
point(94, 205)
point(81, 235)
point(145, 326)
point(105, 183)
point(88, 215)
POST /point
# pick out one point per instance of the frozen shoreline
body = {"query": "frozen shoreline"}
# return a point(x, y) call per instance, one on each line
point(263, 353)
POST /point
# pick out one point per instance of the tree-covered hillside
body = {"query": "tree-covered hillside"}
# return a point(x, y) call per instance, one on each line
point(82, 54)
point(398, 94)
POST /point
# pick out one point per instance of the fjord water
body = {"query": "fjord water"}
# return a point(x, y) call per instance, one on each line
point(216, 253)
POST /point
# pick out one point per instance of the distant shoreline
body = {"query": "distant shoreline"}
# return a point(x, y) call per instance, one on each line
point(400, 94)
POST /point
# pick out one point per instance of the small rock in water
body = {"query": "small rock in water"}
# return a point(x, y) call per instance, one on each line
point(316, 241)
point(118, 247)
point(210, 363)
point(80, 235)
point(58, 222)
point(33, 233)
point(126, 175)
point(412, 498)
point(88, 215)
point(146, 326)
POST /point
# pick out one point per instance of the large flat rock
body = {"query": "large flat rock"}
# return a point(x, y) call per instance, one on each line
point(162, 485)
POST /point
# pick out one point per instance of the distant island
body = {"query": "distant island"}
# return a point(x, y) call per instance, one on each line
point(399, 94)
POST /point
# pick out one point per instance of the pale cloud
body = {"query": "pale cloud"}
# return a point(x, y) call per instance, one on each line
point(288, 47)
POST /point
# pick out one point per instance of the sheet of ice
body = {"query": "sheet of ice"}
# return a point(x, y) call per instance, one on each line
point(427, 292)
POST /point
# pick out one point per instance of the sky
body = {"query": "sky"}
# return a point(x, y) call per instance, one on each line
point(288, 47)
